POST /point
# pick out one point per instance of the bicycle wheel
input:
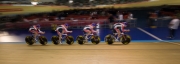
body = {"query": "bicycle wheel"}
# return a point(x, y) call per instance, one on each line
point(80, 39)
point(29, 40)
point(55, 40)
point(109, 39)
point(42, 40)
point(125, 39)
point(69, 40)
point(95, 39)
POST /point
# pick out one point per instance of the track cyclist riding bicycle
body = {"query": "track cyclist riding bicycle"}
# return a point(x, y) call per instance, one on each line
point(89, 34)
point(119, 29)
point(62, 30)
point(35, 29)
point(89, 29)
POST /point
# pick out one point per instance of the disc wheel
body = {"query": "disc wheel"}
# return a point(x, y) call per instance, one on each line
point(126, 39)
point(109, 39)
point(42, 40)
point(29, 40)
point(95, 39)
point(55, 40)
point(80, 40)
point(69, 40)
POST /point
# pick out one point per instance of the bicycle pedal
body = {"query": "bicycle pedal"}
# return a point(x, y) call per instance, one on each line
point(36, 40)
point(116, 40)
point(86, 41)
point(91, 34)
point(60, 43)
point(64, 34)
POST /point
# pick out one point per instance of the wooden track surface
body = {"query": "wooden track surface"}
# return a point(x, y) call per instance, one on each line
point(134, 53)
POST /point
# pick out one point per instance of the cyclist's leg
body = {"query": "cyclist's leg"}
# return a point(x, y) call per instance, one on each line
point(63, 33)
point(87, 32)
point(35, 34)
point(118, 32)
point(59, 32)
point(114, 32)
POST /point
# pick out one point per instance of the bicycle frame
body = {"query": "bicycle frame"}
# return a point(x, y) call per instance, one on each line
point(115, 36)
point(64, 36)
point(36, 36)
point(121, 35)
point(89, 35)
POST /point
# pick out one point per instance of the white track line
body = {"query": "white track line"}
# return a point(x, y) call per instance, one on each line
point(156, 36)
point(150, 34)
point(172, 42)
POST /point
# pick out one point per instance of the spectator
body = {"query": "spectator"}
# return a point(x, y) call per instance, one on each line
point(111, 19)
point(152, 19)
point(120, 17)
point(126, 16)
point(130, 15)
point(178, 14)
point(24, 19)
point(173, 26)
point(93, 15)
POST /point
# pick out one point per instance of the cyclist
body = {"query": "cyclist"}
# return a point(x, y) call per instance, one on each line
point(35, 29)
point(89, 29)
point(62, 30)
point(119, 28)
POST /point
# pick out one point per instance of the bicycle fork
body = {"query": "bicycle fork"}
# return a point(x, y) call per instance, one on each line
point(120, 37)
point(86, 39)
point(124, 37)
point(66, 37)
point(36, 37)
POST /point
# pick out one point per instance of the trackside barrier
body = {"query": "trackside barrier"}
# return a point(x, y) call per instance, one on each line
point(75, 24)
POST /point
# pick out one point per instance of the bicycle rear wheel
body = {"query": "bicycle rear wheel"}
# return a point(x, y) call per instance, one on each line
point(125, 39)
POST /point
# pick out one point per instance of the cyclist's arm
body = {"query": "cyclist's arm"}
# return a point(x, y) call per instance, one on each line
point(65, 29)
point(117, 26)
point(58, 28)
point(40, 31)
point(34, 27)
point(122, 28)
point(92, 29)
point(30, 29)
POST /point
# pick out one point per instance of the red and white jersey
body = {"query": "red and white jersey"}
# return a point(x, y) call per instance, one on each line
point(119, 25)
point(62, 27)
point(34, 27)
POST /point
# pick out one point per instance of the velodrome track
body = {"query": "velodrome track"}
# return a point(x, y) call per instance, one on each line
point(149, 46)
point(137, 52)
point(134, 53)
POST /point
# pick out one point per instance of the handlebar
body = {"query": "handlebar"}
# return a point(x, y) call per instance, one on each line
point(65, 34)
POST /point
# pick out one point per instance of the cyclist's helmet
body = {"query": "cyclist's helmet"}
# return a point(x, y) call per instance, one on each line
point(66, 24)
point(38, 26)
point(94, 24)
point(125, 23)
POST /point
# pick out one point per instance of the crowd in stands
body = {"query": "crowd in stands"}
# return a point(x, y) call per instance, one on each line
point(163, 14)
point(85, 14)
point(75, 2)
point(28, 3)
